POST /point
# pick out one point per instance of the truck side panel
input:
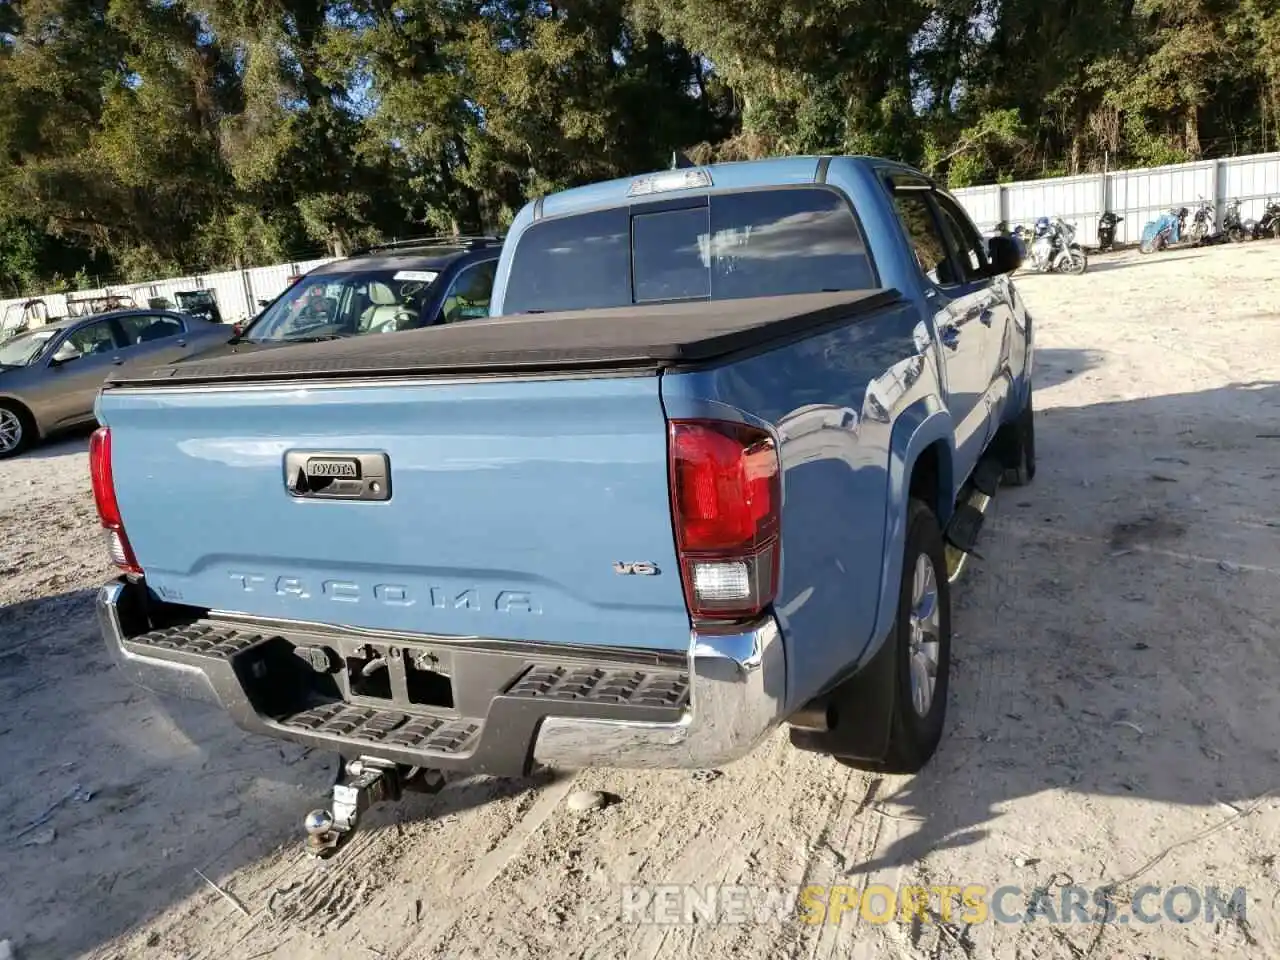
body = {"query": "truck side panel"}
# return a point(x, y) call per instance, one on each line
point(981, 365)
point(832, 401)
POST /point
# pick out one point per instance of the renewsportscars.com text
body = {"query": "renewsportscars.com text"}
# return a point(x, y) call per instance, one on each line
point(674, 904)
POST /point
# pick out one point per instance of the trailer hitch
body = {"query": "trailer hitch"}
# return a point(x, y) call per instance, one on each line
point(361, 784)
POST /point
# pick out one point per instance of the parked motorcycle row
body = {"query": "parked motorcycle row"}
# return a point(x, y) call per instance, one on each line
point(1051, 247)
point(1171, 228)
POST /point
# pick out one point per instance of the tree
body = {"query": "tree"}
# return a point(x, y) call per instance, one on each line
point(140, 137)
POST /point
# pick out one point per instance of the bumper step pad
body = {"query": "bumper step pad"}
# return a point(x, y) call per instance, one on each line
point(599, 685)
point(201, 639)
point(358, 724)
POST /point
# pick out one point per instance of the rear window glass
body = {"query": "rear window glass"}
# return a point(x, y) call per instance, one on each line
point(669, 255)
point(752, 244)
point(573, 263)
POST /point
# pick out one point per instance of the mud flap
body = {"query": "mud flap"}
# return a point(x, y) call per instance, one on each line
point(859, 711)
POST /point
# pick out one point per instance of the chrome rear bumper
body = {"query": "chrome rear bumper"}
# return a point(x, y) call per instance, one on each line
point(737, 698)
point(518, 704)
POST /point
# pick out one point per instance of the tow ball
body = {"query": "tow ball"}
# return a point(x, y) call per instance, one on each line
point(361, 784)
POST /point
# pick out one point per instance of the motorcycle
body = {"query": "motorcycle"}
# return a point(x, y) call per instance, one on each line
point(1017, 234)
point(1054, 248)
point(1236, 229)
point(1269, 225)
point(1201, 229)
point(1161, 234)
point(1107, 224)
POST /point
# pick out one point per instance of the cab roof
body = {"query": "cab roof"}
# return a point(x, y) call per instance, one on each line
point(736, 175)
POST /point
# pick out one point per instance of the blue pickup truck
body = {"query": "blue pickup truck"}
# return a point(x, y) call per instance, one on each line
point(709, 468)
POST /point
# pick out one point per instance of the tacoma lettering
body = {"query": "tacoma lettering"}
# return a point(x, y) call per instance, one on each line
point(389, 594)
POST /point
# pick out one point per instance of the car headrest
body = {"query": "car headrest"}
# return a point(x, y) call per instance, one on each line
point(381, 295)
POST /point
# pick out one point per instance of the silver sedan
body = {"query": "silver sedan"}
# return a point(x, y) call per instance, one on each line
point(50, 376)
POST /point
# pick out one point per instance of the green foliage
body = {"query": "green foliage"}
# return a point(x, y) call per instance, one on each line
point(144, 137)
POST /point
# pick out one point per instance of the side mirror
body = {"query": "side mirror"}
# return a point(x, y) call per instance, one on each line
point(63, 354)
point(1006, 254)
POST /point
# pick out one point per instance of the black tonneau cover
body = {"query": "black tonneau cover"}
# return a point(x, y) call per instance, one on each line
point(638, 338)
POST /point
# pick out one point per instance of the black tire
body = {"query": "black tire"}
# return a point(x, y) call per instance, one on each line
point(914, 738)
point(1019, 453)
point(26, 428)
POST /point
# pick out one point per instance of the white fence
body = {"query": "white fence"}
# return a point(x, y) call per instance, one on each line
point(237, 291)
point(1137, 195)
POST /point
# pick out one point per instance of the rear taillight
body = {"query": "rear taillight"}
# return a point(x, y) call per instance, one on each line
point(104, 495)
point(726, 494)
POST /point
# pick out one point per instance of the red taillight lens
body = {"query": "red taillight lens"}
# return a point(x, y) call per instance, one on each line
point(104, 496)
point(726, 491)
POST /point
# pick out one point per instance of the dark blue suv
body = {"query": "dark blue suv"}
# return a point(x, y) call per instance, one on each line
point(388, 288)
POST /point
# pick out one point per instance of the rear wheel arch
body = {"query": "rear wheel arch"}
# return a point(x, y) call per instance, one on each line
point(924, 426)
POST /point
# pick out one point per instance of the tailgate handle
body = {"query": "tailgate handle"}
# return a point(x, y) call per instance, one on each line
point(337, 475)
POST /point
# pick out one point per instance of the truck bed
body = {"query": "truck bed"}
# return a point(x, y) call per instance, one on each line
point(633, 339)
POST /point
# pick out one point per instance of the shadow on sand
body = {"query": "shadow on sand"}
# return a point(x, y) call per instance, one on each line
point(1156, 677)
point(1057, 366)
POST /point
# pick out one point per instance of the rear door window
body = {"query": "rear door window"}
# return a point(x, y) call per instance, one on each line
point(144, 328)
point(729, 246)
point(468, 296)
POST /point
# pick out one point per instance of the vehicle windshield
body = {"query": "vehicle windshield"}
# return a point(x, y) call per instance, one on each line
point(24, 348)
point(325, 307)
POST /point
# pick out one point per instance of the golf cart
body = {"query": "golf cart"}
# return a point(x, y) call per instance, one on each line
point(200, 303)
point(21, 317)
point(93, 303)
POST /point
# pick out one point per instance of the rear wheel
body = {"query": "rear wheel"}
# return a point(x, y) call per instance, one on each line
point(16, 430)
point(922, 651)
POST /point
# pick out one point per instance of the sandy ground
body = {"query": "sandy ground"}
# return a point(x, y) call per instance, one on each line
point(1114, 718)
